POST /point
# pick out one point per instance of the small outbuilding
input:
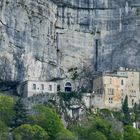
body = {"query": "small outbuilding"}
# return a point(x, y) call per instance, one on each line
point(32, 87)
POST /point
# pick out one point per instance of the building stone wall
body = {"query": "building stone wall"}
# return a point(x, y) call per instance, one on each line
point(133, 87)
point(111, 89)
point(34, 88)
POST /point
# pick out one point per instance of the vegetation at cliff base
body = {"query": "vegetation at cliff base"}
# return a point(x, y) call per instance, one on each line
point(47, 119)
point(6, 109)
point(43, 122)
point(30, 132)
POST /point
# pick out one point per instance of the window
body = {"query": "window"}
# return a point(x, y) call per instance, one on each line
point(122, 83)
point(134, 91)
point(110, 100)
point(122, 92)
point(42, 86)
point(110, 91)
point(110, 81)
point(58, 88)
point(68, 87)
point(132, 102)
point(50, 87)
point(34, 86)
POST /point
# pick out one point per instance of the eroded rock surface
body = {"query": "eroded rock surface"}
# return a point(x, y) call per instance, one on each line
point(27, 38)
point(45, 38)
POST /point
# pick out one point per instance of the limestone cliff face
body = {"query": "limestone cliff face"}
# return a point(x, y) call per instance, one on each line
point(27, 39)
point(45, 38)
point(115, 24)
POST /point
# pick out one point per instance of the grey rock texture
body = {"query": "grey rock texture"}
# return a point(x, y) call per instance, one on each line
point(45, 38)
point(116, 21)
point(27, 39)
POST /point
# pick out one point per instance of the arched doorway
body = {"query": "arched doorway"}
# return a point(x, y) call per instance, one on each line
point(68, 87)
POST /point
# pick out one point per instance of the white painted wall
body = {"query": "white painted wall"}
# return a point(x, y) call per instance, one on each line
point(30, 91)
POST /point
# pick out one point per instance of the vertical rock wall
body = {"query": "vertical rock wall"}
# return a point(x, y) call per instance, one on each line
point(45, 38)
point(116, 22)
point(27, 39)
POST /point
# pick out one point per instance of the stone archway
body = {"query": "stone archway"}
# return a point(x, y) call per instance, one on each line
point(68, 87)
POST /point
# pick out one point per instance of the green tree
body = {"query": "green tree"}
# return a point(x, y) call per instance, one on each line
point(101, 125)
point(20, 114)
point(97, 136)
point(28, 132)
point(3, 131)
point(6, 109)
point(130, 133)
point(65, 135)
point(80, 130)
point(125, 105)
point(85, 130)
point(125, 108)
point(47, 119)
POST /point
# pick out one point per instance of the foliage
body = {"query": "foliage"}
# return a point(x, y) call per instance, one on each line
point(6, 109)
point(130, 133)
point(74, 73)
point(84, 76)
point(105, 113)
point(125, 108)
point(69, 96)
point(28, 132)
point(95, 126)
point(80, 130)
point(47, 119)
point(20, 114)
point(66, 101)
point(118, 115)
point(45, 124)
point(103, 126)
point(97, 136)
point(3, 131)
point(136, 112)
point(65, 135)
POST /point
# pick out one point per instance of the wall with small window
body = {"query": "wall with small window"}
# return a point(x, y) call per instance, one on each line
point(133, 85)
point(110, 100)
point(39, 87)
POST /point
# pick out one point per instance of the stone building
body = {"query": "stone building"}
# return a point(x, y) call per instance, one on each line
point(32, 88)
point(111, 88)
point(133, 86)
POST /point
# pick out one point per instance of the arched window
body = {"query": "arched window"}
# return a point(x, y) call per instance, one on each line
point(68, 87)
